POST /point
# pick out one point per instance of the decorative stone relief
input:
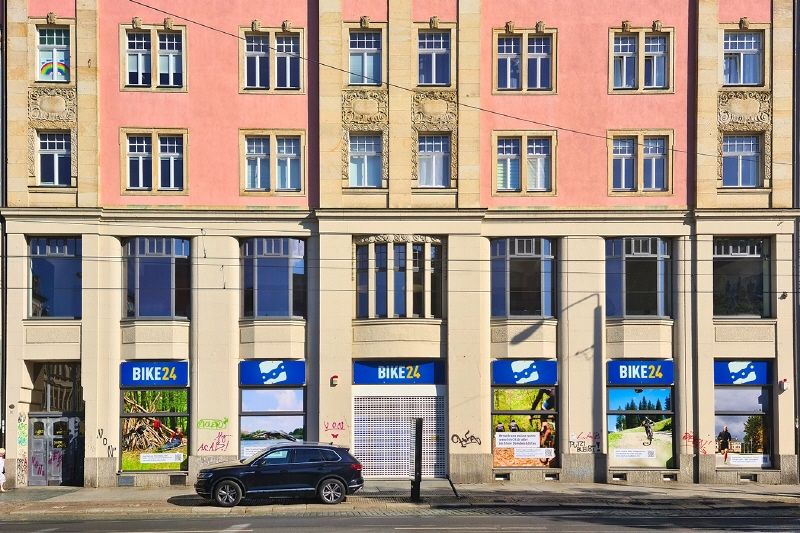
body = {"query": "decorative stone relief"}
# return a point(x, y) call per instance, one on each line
point(52, 108)
point(744, 23)
point(434, 22)
point(365, 111)
point(396, 237)
point(657, 25)
point(540, 26)
point(255, 25)
point(746, 112)
point(435, 112)
point(286, 25)
point(51, 18)
point(510, 26)
point(363, 22)
point(136, 23)
point(168, 25)
point(626, 25)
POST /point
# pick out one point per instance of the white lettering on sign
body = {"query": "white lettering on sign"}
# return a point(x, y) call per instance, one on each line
point(137, 374)
point(640, 372)
point(528, 452)
point(399, 372)
point(515, 439)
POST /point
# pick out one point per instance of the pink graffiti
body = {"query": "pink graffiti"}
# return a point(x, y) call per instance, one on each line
point(38, 468)
point(690, 439)
point(56, 458)
point(219, 443)
point(337, 425)
point(589, 436)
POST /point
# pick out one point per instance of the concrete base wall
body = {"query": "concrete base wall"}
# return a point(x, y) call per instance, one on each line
point(100, 471)
point(583, 468)
point(471, 468)
point(198, 462)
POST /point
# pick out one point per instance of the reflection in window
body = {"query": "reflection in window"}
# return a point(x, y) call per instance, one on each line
point(522, 277)
point(638, 277)
point(55, 283)
point(741, 277)
point(270, 414)
point(158, 277)
point(274, 278)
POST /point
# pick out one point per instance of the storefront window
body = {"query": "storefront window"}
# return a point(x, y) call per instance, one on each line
point(638, 277)
point(524, 413)
point(155, 415)
point(273, 278)
point(272, 404)
point(522, 277)
point(640, 414)
point(158, 277)
point(743, 414)
point(55, 283)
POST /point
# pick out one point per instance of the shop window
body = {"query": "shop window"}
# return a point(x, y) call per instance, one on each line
point(638, 274)
point(272, 404)
point(743, 414)
point(383, 266)
point(640, 414)
point(522, 277)
point(273, 278)
point(55, 278)
point(741, 277)
point(158, 279)
point(524, 413)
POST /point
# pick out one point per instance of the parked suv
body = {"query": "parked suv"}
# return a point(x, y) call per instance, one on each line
point(291, 469)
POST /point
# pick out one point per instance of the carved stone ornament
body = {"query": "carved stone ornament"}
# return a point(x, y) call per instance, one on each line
point(746, 112)
point(136, 22)
point(51, 18)
point(255, 25)
point(52, 109)
point(168, 23)
point(286, 25)
point(398, 238)
point(657, 25)
point(540, 26)
point(510, 26)
point(744, 23)
point(363, 22)
point(434, 23)
point(626, 25)
point(364, 109)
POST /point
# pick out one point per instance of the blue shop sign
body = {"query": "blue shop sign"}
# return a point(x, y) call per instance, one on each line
point(742, 373)
point(410, 372)
point(272, 372)
point(524, 372)
point(154, 374)
point(641, 372)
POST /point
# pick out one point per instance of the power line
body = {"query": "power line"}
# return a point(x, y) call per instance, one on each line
point(411, 90)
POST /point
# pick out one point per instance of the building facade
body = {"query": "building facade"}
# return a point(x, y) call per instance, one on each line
point(562, 236)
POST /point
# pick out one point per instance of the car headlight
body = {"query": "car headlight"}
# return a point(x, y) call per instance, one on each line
point(204, 475)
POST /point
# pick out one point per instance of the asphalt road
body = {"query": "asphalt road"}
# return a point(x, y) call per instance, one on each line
point(540, 521)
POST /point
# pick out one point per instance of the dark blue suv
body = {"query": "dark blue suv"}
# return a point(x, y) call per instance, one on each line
point(290, 469)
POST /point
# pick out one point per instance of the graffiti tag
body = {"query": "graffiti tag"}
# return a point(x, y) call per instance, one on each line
point(212, 423)
point(466, 440)
point(219, 443)
point(691, 440)
point(110, 448)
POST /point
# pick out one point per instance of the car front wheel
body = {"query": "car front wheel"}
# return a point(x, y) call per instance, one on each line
point(331, 491)
point(227, 493)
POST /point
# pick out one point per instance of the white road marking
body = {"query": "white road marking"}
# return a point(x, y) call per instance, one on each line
point(239, 527)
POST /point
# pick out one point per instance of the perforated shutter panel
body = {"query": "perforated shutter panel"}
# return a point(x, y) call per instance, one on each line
point(384, 439)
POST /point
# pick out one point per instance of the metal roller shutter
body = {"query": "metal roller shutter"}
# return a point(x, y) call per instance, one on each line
point(383, 437)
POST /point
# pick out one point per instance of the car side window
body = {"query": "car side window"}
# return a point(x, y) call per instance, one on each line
point(278, 457)
point(330, 455)
point(307, 455)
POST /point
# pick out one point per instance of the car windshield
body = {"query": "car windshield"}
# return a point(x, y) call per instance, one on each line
point(263, 452)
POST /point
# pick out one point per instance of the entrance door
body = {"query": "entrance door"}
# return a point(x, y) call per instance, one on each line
point(55, 451)
point(383, 435)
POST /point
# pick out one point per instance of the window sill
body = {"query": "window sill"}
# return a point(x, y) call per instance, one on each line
point(134, 321)
point(153, 89)
point(521, 193)
point(397, 321)
point(53, 188)
point(434, 190)
point(155, 192)
point(616, 192)
point(275, 90)
point(250, 321)
point(742, 320)
point(642, 91)
point(499, 321)
point(755, 191)
point(436, 87)
point(377, 191)
point(638, 320)
point(50, 320)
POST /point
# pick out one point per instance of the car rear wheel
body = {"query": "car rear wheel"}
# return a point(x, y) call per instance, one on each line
point(227, 493)
point(331, 491)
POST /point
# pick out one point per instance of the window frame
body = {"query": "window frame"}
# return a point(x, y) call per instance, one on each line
point(443, 157)
point(54, 48)
point(665, 272)
point(436, 54)
point(364, 159)
point(274, 157)
point(524, 138)
point(155, 31)
point(740, 156)
point(261, 246)
point(260, 56)
point(641, 34)
point(762, 55)
point(766, 257)
point(545, 249)
point(141, 54)
point(525, 35)
point(63, 250)
point(639, 137)
point(365, 53)
point(56, 153)
point(136, 257)
point(155, 156)
point(272, 33)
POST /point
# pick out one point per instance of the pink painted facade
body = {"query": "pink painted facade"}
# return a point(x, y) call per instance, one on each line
point(40, 8)
point(582, 101)
point(212, 109)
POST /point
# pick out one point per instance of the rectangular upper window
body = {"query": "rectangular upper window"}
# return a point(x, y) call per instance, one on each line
point(539, 164)
point(656, 62)
point(743, 58)
point(522, 277)
point(525, 60)
point(152, 58)
point(640, 162)
point(53, 49)
point(158, 277)
point(434, 58)
point(509, 63)
point(624, 164)
point(139, 59)
point(257, 163)
point(638, 277)
point(366, 161)
point(741, 161)
point(55, 163)
point(640, 60)
point(540, 62)
point(655, 164)
point(365, 57)
point(273, 277)
point(742, 277)
point(625, 60)
point(170, 162)
point(508, 156)
point(170, 59)
point(287, 61)
point(434, 161)
point(288, 164)
point(155, 160)
point(140, 162)
point(257, 61)
point(55, 277)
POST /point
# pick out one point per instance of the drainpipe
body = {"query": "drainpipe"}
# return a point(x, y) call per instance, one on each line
point(796, 204)
point(3, 203)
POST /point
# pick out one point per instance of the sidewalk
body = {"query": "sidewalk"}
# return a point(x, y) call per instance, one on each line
point(393, 497)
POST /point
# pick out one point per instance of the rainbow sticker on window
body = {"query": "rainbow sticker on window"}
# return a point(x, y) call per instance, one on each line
point(46, 71)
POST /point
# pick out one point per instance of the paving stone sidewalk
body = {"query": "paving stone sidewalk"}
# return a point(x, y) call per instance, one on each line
point(393, 498)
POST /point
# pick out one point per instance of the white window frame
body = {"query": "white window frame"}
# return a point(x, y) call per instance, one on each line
point(624, 149)
point(654, 148)
point(54, 48)
point(503, 44)
point(252, 41)
point(257, 148)
point(508, 150)
point(540, 149)
point(535, 58)
point(622, 52)
point(742, 40)
point(283, 155)
point(285, 46)
point(366, 45)
point(144, 156)
point(741, 155)
point(652, 52)
point(434, 154)
point(141, 51)
point(58, 145)
point(363, 148)
point(170, 152)
point(435, 44)
point(170, 46)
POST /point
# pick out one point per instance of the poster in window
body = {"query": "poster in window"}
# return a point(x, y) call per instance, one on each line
point(153, 438)
point(526, 438)
point(640, 432)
